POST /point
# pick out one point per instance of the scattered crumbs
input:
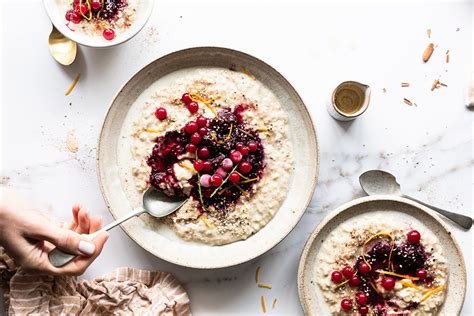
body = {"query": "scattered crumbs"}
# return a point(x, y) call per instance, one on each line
point(71, 142)
point(458, 29)
point(428, 32)
point(405, 84)
point(408, 102)
point(274, 303)
point(4, 180)
point(70, 103)
point(262, 300)
point(180, 16)
point(447, 56)
point(384, 90)
point(257, 275)
point(152, 34)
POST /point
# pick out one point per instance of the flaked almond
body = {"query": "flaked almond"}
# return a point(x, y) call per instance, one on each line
point(428, 52)
point(384, 90)
point(405, 84)
point(447, 56)
point(428, 32)
point(408, 102)
point(435, 85)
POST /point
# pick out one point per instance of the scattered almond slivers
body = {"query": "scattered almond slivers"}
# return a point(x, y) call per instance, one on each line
point(437, 84)
point(428, 32)
point(408, 102)
point(447, 56)
point(405, 84)
point(274, 303)
point(428, 52)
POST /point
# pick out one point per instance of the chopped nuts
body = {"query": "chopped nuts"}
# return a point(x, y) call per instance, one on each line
point(428, 52)
point(447, 56)
point(405, 84)
point(428, 32)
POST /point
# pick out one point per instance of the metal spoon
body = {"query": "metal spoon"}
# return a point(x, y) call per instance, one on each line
point(155, 203)
point(375, 182)
point(62, 48)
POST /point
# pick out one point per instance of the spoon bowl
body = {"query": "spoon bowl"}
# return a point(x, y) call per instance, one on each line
point(62, 49)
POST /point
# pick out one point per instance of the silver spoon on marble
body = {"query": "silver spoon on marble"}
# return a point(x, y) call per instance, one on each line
point(376, 182)
point(155, 203)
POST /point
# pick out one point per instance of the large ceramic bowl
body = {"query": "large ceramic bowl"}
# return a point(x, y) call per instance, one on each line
point(302, 182)
point(57, 16)
point(396, 209)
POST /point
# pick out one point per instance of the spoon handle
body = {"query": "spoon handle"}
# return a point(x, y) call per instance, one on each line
point(58, 258)
point(461, 220)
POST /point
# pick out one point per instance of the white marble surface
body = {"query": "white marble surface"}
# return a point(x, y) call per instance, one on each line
point(315, 46)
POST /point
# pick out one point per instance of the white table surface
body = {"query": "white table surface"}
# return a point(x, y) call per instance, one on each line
point(316, 46)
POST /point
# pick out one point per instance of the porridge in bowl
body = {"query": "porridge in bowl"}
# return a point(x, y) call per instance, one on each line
point(372, 267)
point(218, 136)
point(99, 18)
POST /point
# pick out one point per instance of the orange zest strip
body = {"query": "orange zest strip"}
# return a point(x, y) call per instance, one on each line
point(248, 180)
point(248, 134)
point(203, 218)
point(274, 303)
point(257, 275)
point(342, 283)
point(262, 129)
point(403, 276)
point(73, 84)
point(262, 300)
point(432, 292)
point(241, 175)
point(264, 285)
point(376, 236)
point(149, 130)
point(241, 190)
point(185, 166)
point(407, 283)
point(245, 71)
point(101, 8)
point(207, 102)
point(88, 18)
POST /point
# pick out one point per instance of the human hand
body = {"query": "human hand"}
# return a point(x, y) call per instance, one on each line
point(29, 236)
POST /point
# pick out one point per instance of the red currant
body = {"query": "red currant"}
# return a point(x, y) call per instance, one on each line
point(186, 98)
point(347, 272)
point(203, 152)
point(198, 165)
point(414, 236)
point(245, 167)
point(191, 148)
point(202, 131)
point(82, 8)
point(205, 180)
point(235, 156)
point(195, 138)
point(388, 283)
point(239, 146)
point(76, 18)
point(354, 281)
point(421, 273)
point(346, 304)
point(201, 121)
point(361, 298)
point(108, 34)
point(234, 177)
point(191, 127)
point(216, 180)
point(220, 171)
point(363, 268)
point(363, 310)
point(336, 277)
point(96, 5)
point(227, 164)
point(244, 150)
point(252, 146)
point(207, 166)
point(193, 107)
point(161, 113)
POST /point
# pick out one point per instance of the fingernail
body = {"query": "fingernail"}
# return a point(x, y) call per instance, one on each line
point(86, 247)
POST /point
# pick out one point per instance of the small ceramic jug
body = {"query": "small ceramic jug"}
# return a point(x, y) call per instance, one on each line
point(349, 100)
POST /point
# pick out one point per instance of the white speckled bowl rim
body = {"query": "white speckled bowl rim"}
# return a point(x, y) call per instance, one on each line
point(143, 13)
point(314, 305)
point(299, 195)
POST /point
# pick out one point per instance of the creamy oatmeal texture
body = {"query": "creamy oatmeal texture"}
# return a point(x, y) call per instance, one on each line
point(343, 246)
point(232, 88)
point(120, 23)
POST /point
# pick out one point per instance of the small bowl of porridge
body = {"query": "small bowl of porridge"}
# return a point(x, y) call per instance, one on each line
point(99, 23)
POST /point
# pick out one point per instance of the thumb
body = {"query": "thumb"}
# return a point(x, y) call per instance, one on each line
point(69, 241)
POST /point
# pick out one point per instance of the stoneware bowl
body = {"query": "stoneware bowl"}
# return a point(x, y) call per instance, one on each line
point(397, 208)
point(167, 245)
point(55, 12)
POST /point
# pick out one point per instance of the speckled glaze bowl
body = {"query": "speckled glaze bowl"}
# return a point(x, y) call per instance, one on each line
point(311, 298)
point(302, 182)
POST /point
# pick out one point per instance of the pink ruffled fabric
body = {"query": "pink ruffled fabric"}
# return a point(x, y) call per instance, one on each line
point(125, 291)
